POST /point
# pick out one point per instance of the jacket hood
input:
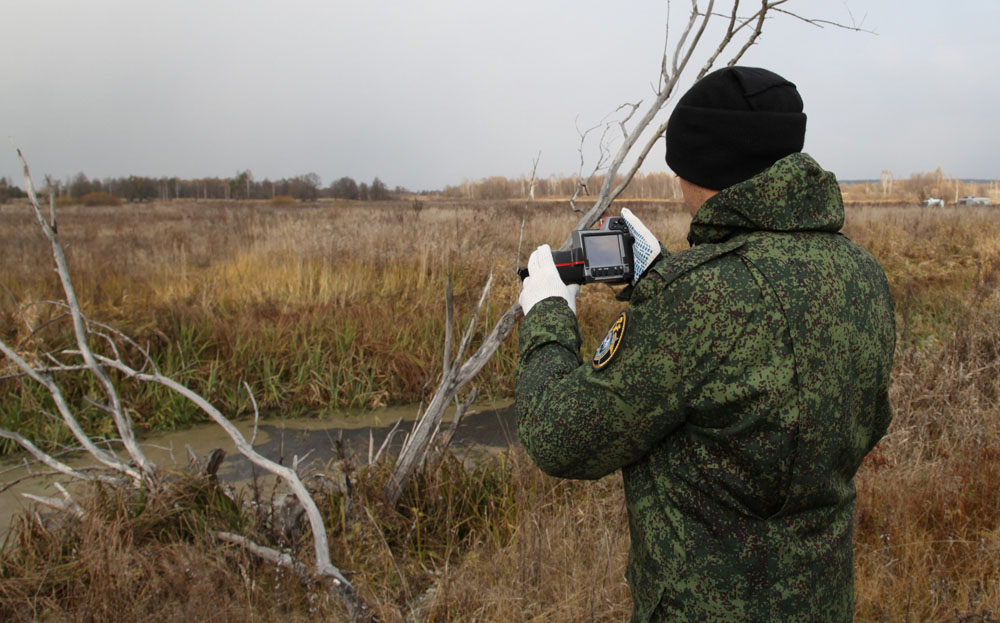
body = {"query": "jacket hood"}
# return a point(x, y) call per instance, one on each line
point(794, 194)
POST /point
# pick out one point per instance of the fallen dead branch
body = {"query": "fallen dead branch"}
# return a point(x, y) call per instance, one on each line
point(138, 470)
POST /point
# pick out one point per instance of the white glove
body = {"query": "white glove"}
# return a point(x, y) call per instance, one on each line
point(645, 246)
point(543, 281)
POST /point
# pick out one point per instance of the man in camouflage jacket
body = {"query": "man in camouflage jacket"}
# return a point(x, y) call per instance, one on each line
point(738, 393)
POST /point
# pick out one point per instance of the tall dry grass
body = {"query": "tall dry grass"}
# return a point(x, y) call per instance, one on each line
point(496, 541)
point(315, 307)
point(140, 558)
point(234, 291)
point(928, 533)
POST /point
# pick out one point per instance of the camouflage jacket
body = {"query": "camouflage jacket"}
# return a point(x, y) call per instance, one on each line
point(738, 394)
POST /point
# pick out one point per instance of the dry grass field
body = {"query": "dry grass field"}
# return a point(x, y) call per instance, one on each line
point(329, 305)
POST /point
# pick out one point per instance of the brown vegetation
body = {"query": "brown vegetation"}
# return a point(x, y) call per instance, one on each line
point(100, 199)
point(315, 307)
point(284, 297)
point(928, 533)
point(282, 200)
point(666, 186)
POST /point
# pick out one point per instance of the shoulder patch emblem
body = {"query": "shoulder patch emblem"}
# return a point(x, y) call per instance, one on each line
point(609, 345)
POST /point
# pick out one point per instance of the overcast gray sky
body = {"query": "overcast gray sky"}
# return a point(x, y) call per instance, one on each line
point(424, 93)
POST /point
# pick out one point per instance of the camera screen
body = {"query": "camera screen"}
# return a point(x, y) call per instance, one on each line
point(602, 250)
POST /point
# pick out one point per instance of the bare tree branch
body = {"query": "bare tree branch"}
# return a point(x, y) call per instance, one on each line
point(758, 30)
point(820, 23)
point(66, 505)
point(141, 471)
point(273, 556)
point(291, 478)
point(415, 448)
point(324, 567)
point(524, 214)
point(122, 421)
point(459, 414)
point(731, 30)
point(47, 459)
point(358, 609)
point(470, 328)
point(107, 459)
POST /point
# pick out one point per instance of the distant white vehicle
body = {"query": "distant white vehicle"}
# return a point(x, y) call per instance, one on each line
point(933, 202)
point(974, 201)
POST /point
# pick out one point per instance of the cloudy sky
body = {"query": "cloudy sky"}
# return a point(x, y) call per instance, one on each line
point(424, 93)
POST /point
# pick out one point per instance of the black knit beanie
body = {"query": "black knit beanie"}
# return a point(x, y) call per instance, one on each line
point(732, 124)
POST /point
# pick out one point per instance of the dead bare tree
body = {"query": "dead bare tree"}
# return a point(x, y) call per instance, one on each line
point(639, 127)
point(139, 471)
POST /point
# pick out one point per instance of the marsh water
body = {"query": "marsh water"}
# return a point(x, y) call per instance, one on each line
point(314, 440)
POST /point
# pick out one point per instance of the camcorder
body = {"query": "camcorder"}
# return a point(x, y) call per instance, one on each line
point(603, 254)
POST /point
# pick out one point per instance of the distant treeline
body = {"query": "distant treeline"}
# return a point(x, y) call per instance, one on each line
point(307, 187)
point(920, 186)
point(915, 188)
point(9, 191)
point(642, 186)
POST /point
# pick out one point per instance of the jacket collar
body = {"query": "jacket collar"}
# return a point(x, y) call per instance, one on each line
point(794, 194)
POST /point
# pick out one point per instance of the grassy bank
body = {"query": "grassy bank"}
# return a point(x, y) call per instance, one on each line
point(336, 304)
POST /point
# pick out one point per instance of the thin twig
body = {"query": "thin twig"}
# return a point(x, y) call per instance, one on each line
point(256, 412)
point(475, 317)
point(386, 441)
point(44, 457)
point(820, 23)
point(524, 214)
point(35, 330)
point(459, 414)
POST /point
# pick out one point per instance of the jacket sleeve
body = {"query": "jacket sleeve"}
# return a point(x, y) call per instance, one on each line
point(577, 421)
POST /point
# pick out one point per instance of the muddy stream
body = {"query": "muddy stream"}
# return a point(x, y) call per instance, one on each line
point(313, 439)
